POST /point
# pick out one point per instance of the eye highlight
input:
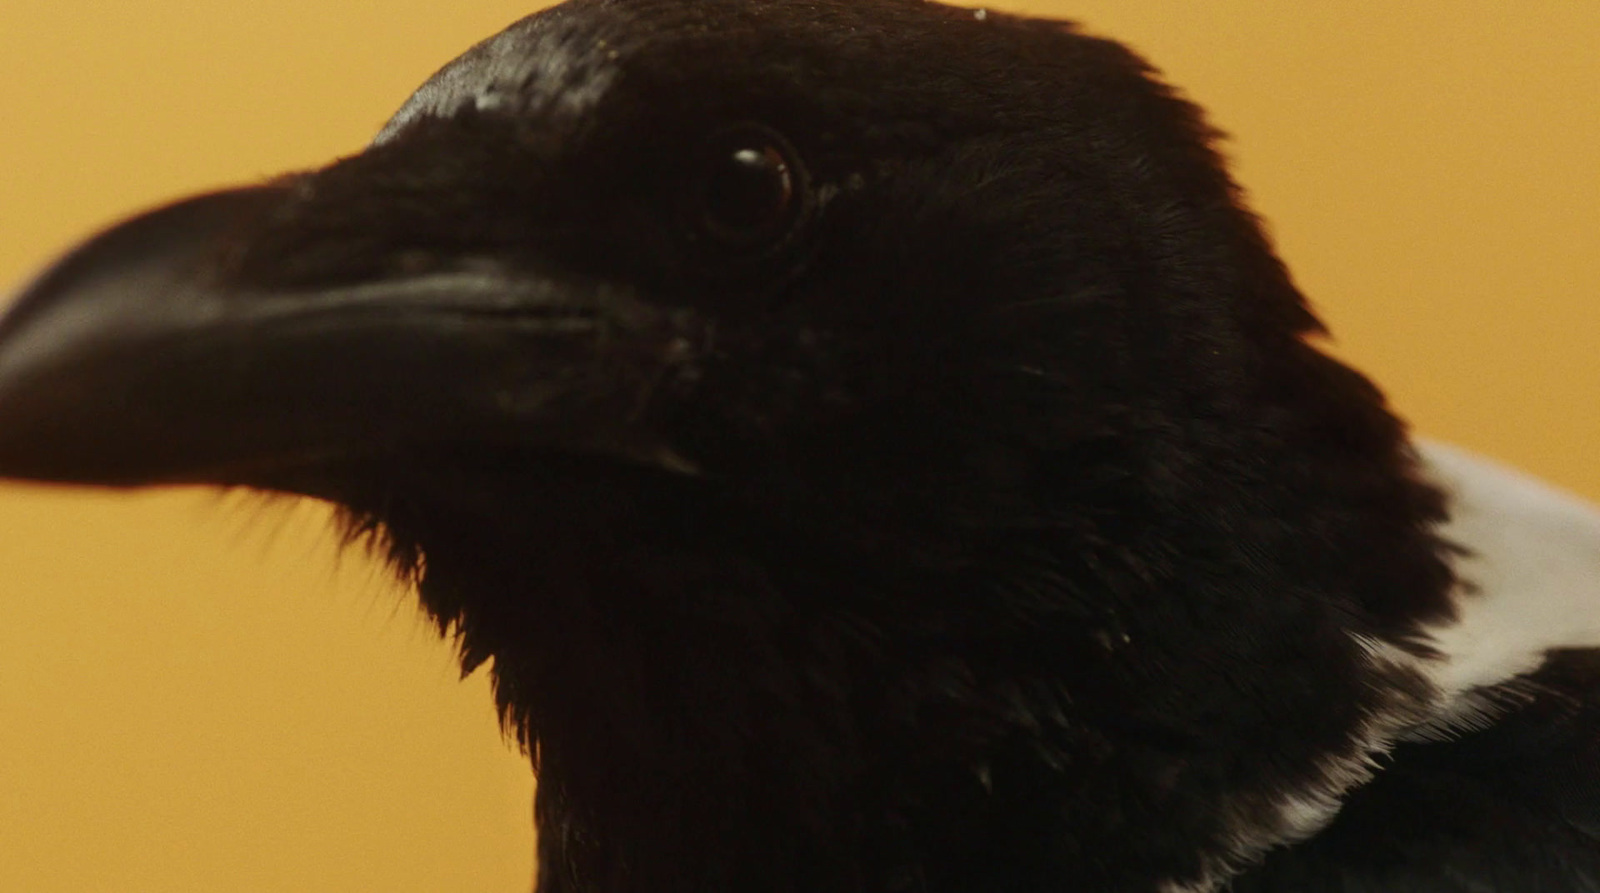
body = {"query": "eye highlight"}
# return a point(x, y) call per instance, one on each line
point(751, 189)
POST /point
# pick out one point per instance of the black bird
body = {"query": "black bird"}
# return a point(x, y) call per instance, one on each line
point(876, 450)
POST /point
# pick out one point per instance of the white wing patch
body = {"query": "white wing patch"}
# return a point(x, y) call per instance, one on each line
point(1530, 584)
point(1532, 576)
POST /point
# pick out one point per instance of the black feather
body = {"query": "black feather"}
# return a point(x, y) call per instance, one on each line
point(1011, 574)
point(997, 528)
point(1510, 807)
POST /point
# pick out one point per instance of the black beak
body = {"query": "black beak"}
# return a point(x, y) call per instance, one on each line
point(145, 356)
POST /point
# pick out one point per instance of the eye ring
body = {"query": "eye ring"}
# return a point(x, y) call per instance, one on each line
point(751, 189)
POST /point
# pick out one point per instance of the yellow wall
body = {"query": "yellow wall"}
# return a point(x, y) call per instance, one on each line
point(193, 696)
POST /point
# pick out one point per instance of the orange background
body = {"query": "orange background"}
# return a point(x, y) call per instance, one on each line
point(195, 695)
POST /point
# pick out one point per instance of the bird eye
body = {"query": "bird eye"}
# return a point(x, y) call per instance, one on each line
point(751, 189)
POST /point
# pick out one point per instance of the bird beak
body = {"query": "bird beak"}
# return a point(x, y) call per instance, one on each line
point(147, 356)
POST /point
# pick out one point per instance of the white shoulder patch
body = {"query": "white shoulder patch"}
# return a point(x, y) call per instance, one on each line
point(1531, 580)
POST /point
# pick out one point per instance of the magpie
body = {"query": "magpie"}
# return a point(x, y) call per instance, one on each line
point(875, 448)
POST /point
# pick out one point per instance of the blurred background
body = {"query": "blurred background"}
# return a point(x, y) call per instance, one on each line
point(197, 693)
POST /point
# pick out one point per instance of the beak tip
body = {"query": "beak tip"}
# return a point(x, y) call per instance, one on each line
point(64, 335)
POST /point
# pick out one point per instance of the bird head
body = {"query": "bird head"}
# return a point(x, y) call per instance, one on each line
point(872, 442)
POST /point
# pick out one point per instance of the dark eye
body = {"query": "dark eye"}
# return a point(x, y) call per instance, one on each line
point(751, 189)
